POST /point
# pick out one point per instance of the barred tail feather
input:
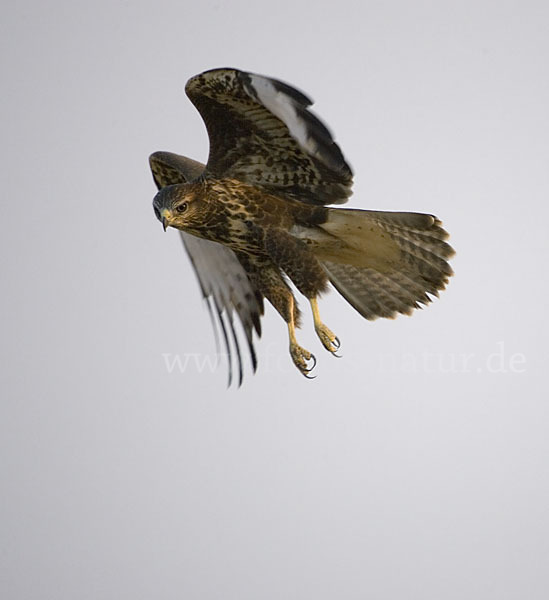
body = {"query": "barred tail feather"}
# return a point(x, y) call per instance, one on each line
point(385, 263)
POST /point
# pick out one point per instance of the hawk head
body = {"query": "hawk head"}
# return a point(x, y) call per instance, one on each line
point(181, 206)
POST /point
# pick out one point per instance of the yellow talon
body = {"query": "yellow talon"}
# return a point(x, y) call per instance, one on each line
point(329, 340)
point(299, 355)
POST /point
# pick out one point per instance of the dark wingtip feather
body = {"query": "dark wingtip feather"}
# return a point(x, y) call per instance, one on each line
point(227, 345)
point(237, 348)
point(214, 326)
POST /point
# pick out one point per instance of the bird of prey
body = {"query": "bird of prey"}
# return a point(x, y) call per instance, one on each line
point(256, 216)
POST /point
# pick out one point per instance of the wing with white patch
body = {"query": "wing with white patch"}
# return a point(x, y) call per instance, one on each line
point(262, 133)
point(223, 281)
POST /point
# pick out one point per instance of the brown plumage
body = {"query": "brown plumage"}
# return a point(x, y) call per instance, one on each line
point(256, 215)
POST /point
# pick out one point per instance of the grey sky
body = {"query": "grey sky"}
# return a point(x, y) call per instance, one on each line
point(415, 466)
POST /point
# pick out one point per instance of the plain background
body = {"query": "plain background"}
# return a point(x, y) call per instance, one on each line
point(415, 466)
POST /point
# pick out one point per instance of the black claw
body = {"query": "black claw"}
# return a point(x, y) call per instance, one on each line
point(313, 358)
point(337, 343)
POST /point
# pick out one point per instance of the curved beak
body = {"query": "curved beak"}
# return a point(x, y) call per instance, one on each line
point(166, 217)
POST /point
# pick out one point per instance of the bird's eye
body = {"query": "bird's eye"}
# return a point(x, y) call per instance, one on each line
point(181, 208)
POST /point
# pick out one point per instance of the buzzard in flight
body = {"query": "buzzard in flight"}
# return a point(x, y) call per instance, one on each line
point(256, 216)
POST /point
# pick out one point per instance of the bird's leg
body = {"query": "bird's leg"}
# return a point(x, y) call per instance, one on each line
point(329, 340)
point(300, 264)
point(299, 355)
point(271, 284)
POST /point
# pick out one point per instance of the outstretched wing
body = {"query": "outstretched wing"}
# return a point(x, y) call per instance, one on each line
point(262, 133)
point(223, 281)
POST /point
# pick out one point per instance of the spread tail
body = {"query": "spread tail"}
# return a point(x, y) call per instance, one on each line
point(383, 263)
